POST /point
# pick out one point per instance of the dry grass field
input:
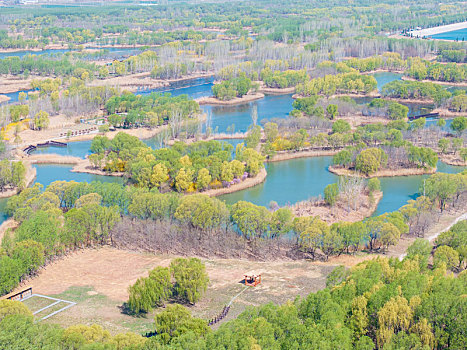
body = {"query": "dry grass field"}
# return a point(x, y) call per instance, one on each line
point(98, 279)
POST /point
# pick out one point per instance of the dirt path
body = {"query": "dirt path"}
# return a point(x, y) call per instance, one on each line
point(444, 224)
point(459, 218)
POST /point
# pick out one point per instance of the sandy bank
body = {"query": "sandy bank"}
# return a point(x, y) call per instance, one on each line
point(4, 98)
point(382, 70)
point(276, 91)
point(444, 112)
point(357, 120)
point(281, 156)
point(52, 159)
point(249, 182)
point(84, 166)
point(438, 30)
point(219, 137)
point(234, 101)
point(28, 180)
point(464, 83)
point(10, 84)
point(80, 165)
point(382, 173)
point(339, 212)
point(451, 159)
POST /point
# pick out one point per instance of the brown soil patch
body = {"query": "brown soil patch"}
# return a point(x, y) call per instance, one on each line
point(97, 279)
point(339, 212)
point(109, 271)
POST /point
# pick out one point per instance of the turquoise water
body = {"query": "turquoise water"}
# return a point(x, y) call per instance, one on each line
point(76, 149)
point(115, 52)
point(460, 35)
point(48, 173)
point(382, 78)
point(296, 180)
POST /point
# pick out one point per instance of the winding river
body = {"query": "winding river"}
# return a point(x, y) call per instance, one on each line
point(287, 182)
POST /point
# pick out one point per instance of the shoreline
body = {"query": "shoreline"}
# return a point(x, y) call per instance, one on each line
point(4, 98)
point(443, 112)
point(276, 91)
point(405, 78)
point(374, 94)
point(451, 160)
point(279, 157)
point(143, 81)
point(338, 213)
point(382, 173)
point(235, 101)
point(438, 30)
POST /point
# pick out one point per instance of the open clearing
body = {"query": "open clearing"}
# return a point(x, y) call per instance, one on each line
point(98, 279)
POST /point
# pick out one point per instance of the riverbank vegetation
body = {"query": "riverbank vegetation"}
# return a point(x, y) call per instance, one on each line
point(343, 60)
point(95, 214)
point(183, 167)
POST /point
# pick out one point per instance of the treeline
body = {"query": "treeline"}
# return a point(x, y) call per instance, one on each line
point(415, 90)
point(338, 84)
point(393, 135)
point(371, 160)
point(381, 303)
point(128, 109)
point(421, 69)
point(45, 65)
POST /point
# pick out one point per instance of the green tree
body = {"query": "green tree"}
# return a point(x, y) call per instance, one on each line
point(446, 255)
point(331, 193)
point(331, 110)
point(152, 291)
point(281, 222)
point(191, 279)
point(459, 124)
point(370, 160)
point(340, 126)
point(175, 321)
point(203, 179)
point(201, 211)
point(13, 307)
